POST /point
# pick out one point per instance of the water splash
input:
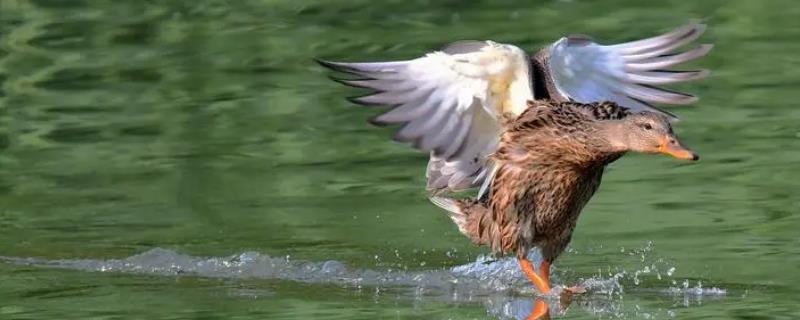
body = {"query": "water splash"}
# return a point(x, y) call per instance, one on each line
point(466, 282)
point(496, 283)
point(650, 273)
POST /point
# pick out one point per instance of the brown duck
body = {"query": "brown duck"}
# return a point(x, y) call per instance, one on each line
point(548, 165)
point(542, 167)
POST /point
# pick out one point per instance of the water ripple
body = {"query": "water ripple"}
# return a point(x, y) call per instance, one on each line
point(496, 283)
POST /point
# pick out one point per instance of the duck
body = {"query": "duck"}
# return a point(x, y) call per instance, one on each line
point(548, 165)
point(456, 103)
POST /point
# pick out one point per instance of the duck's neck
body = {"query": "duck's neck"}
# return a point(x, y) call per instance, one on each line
point(610, 140)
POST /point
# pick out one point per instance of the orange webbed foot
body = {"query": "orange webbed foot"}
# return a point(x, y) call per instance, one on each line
point(542, 282)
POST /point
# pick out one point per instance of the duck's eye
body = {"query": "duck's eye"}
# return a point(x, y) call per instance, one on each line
point(647, 126)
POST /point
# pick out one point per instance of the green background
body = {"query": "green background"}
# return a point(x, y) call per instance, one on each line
point(205, 128)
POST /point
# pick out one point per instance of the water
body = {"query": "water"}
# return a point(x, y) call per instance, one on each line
point(165, 159)
point(495, 282)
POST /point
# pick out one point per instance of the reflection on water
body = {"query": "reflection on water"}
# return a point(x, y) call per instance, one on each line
point(498, 284)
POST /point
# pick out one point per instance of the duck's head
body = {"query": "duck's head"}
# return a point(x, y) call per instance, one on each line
point(648, 132)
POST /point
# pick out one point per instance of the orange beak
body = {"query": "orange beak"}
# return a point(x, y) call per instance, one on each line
point(671, 146)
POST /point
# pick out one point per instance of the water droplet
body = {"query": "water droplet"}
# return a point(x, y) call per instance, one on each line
point(332, 266)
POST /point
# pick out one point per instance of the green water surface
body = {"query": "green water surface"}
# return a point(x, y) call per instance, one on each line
point(204, 127)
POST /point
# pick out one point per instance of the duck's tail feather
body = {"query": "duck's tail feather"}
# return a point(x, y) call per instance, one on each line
point(447, 204)
point(453, 207)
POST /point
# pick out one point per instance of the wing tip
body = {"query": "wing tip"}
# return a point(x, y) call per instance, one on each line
point(662, 77)
point(359, 100)
point(327, 64)
point(701, 74)
point(696, 23)
point(703, 49)
point(342, 81)
point(376, 121)
point(671, 96)
point(669, 60)
point(693, 26)
point(337, 66)
point(675, 38)
point(691, 99)
point(344, 67)
point(352, 83)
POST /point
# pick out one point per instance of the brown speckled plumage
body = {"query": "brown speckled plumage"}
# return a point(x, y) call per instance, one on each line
point(549, 165)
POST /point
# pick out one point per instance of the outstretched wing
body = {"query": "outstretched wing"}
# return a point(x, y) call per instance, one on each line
point(626, 73)
point(447, 102)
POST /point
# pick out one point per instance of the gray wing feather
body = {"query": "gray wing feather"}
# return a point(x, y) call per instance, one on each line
point(666, 61)
point(424, 111)
point(628, 73)
point(663, 43)
point(666, 76)
point(443, 103)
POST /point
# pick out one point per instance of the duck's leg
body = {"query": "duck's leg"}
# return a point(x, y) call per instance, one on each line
point(543, 284)
point(544, 271)
point(540, 311)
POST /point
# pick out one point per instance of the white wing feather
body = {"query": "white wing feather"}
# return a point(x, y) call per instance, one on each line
point(448, 103)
